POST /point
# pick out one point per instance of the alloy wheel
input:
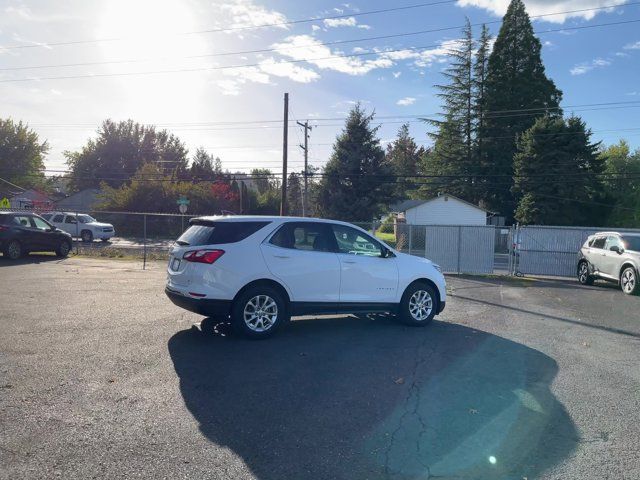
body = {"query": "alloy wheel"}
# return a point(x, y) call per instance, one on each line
point(628, 280)
point(64, 248)
point(260, 313)
point(583, 274)
point(13, 250)
point(420, 305)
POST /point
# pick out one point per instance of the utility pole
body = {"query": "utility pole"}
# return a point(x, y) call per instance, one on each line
point(285, 135)
point(305, 149)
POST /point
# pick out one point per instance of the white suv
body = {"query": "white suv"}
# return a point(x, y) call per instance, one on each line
point(80, 225)
point(263, 270)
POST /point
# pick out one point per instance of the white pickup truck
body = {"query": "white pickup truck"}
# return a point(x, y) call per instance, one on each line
point(80, 225)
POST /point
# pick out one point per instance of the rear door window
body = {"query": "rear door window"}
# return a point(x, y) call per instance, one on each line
point(311, 236)
point(58, 219)
point(214, 233)
point(599, 242)
point(23, 221)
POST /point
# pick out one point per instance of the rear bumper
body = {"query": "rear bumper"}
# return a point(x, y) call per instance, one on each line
point(201, 306)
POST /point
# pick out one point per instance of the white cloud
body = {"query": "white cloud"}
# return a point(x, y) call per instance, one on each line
point(288, 70)
point(396, 74)
point(424, 58)
point(340, 22)
point(544, 7)
point(26, 14)
point(245, 13)
point(406, 101)
point(633, 46)
point(55, 92)
point(315, 28)
point(305, 47)
point(582, 68)
point(344, 22)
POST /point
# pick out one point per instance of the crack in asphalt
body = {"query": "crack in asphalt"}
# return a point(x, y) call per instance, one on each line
point(413, 391)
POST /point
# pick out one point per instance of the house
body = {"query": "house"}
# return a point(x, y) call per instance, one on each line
point(83, 201)
point(31, 199)
point(441, 210)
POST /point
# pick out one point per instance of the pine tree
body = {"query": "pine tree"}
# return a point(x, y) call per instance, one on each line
point(557, 174)
point(480, 67)
point(353, 186)
point(294, 195)
point(453, 152)
point(403, 155)
point(517, 93)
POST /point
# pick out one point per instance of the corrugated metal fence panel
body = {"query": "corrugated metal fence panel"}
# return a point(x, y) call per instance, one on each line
point(441, 246)
point(548, 250)
point(553, 250)
point(477, 245)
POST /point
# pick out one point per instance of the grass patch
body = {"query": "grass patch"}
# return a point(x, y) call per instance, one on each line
point(389, 238)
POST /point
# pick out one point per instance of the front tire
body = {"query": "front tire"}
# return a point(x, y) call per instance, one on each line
point(629, 281)
point(419, 304)
point(583, 274)
point(13, 250)
point(87, 236)
point(63, 249)
point(259, 311)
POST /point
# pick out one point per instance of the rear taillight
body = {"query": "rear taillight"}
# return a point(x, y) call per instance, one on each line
point(3, 228)
point(202, 256)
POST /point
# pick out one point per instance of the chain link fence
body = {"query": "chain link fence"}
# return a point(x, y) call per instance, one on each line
point(470, 249)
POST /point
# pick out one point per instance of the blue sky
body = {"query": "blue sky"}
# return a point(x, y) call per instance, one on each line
point(591, 66)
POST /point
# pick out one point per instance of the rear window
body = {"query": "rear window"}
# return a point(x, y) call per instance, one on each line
point(213, 233)
point(5, 219)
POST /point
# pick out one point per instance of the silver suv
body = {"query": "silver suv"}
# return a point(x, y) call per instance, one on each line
point(611, 256)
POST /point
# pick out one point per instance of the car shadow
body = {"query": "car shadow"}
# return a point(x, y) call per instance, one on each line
point(355, 398)
point(29, 259)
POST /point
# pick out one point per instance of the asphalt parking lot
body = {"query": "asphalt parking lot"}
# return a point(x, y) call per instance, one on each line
point(102, 377)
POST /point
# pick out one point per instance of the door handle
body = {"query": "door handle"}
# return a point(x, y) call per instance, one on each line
point(349, 261)
point(282, 256)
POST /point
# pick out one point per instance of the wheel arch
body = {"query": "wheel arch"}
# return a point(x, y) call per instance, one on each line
point(625, 265)
point(429, 282)
point(265, 281)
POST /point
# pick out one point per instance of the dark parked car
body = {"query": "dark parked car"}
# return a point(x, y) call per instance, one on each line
point(21, 233)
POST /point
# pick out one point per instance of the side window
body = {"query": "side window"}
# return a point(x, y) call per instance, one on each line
point(57, 218)
point(41, 224)
point(599, 242)
point(612, 241)
point(310, 236)
point(23, 221)
point(46, 216)
point(70, 219)
point(354, 242)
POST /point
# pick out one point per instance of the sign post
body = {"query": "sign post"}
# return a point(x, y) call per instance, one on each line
point(182, 207)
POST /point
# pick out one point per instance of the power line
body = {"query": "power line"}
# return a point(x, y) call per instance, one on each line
point(248, 27)
point(258, 64)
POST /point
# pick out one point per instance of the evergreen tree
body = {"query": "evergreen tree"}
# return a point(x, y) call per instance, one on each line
point(204, 166)
point(557, 174)
point(351, 187)
point(294, 195)
point(480, 68)
point(21, 154)
point(453, 152)
point(403, 155)
point(517, 93)
point(622, 188)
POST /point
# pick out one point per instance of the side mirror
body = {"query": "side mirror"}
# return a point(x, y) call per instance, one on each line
point(617, 249)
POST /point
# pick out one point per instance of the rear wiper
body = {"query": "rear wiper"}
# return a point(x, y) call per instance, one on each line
point(182, 242)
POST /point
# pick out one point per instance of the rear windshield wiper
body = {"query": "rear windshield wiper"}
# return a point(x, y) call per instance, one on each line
point(182, 242)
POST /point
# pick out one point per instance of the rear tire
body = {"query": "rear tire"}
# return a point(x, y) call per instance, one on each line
point(259, 311)
point(63, 249)
point(419, 304)
point(14, 250)
point(583, 274)
point(87, 236)
point(629, 281)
